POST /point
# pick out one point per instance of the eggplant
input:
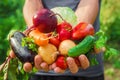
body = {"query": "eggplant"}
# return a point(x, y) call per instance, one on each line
point(24, 54)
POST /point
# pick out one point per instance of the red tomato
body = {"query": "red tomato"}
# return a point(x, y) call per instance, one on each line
point(61, 62)
point(64, 34)
point(64, 25)
point(55, 41)
point(77, 61)
point(64, 31)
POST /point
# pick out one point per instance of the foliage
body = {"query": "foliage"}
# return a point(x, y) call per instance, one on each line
point(14, 71)
point(29, 42)
point(10, 18)
point(110, 18)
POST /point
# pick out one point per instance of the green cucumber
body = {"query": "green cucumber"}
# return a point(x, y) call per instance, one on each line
point(83, 47)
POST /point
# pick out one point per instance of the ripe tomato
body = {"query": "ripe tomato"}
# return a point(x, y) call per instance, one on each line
point(64, 35)
point(55, 41)
point(64, 25)
point(64, 30)
point(61, 62)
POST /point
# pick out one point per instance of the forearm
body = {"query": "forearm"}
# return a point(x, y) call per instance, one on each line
point(29, 9)
point(87, 10)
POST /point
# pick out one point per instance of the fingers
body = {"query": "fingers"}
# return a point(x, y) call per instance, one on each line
point(58, 70)
point(44, 66)
point(27, 67)
point(37, 62)
point(53, 65)
point(12, 55)
point(99, 50)
point(84, 61)
point(72, 65)
point(75, 63)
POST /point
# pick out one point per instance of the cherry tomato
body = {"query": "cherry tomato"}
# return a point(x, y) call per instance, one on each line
point(55, 41)
point(64, 25)
point(64, 34)
point(64, 31)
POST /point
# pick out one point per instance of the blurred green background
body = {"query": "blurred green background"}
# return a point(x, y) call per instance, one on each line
point(11, 18)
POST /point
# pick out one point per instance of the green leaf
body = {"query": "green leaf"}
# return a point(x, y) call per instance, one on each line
point(10, 33)
point(110, 53)
point(12, 75)
point(92, 59)
point(101, 39)
point(117, 64)
point(29, 42)
point(67, 14)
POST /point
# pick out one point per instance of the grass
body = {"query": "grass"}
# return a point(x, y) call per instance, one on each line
point(111, 73)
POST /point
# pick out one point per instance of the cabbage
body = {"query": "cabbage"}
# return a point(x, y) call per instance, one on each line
point(67, 14)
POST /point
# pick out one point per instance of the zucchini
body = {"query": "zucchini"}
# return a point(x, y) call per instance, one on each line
point(24, 54)
point(83, 47)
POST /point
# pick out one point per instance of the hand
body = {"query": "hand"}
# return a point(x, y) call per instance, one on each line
point(41, 65)
point(11, 54)
point(73, 64)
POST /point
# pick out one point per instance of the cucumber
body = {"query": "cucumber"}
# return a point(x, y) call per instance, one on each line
point(83, 47)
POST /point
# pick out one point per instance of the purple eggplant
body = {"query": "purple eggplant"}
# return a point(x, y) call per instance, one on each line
point(24, 54)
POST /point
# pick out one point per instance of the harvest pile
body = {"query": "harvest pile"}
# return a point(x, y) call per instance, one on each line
point(55, 43)
point(52, 42)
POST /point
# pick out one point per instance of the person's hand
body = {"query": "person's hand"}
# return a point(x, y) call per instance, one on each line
point(11, 54)
point(73, 64)
point(38, 63)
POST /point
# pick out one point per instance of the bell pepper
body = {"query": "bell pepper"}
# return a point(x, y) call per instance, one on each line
point(82, 30)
